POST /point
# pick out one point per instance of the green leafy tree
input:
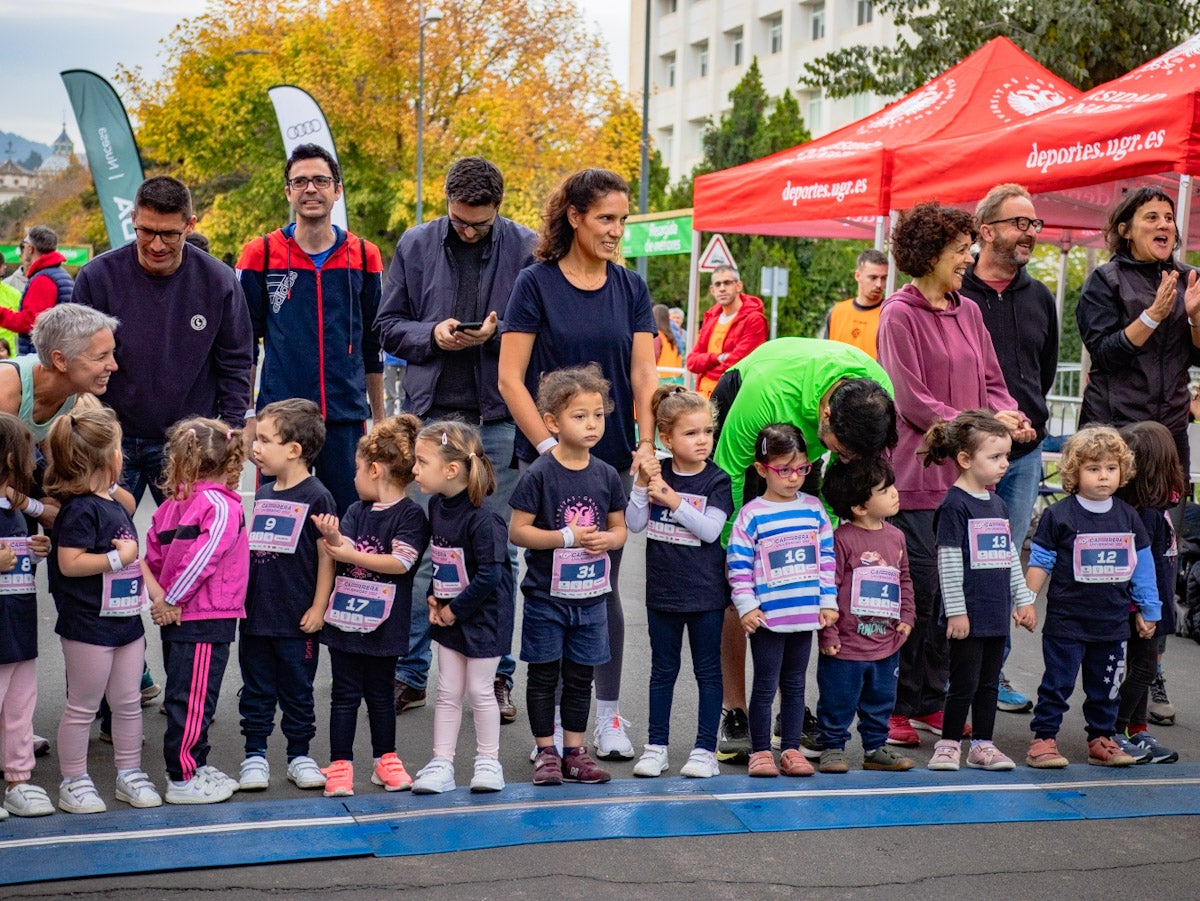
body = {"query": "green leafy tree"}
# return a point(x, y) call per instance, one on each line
point(1086, 42)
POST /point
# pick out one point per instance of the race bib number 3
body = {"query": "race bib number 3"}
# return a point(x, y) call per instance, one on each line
point(577, 574)
point(1104, 557)
point(875, 592)
point(662, 528)
point(359, 605)
point(449, 572)
point(789, 558)
point(124, 592)
point(18, 580)
point(990, 544)
point(276, 525)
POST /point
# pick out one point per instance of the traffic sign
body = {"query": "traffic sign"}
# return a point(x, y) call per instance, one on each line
point(715, 255)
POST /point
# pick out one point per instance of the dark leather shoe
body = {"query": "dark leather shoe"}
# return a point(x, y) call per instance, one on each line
point(508, 710)
point(408, 698)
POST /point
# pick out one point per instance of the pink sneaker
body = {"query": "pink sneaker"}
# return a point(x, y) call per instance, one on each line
point(339, 779)
point(901, 732)
point(932, 722)
point(793, 763)
point(986, 756)
point(391, 774)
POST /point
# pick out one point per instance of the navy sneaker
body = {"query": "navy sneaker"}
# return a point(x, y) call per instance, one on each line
point(1139, 753)
point(1159, 753)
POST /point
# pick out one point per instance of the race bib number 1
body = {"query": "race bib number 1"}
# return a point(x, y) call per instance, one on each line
point(990, 543)
point(789, 558)
point(662, 528)
point(577, 574)
point(359, 605)
point(276, 525)
point(124, 592)
point(18, 580)
point(875, 592)
point(1104, 557)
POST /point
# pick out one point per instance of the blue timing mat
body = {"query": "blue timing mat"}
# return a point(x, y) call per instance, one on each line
point(385, 825)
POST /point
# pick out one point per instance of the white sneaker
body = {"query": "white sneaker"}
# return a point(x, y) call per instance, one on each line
point(136, 790)
point(211, 772)
point(79, 795)
point(701, 764)
point(653, 761)
point(304, 773)
point(255, 774)
point(609, 737)
point(435, 777)
point(26, 800)
point(488, 776)
point(200, 789)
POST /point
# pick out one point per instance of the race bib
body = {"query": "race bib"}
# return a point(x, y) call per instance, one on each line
point(578, 574)
point(449, 571)
point(1104, 557)
point(359, 605)
point(19, 580)
point(124, 592)
point(662, 528)
point(989, 543)
point(789, 558)
point(275, 526)
point(875, 592)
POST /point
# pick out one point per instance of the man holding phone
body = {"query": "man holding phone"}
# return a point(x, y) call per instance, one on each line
point(446, 292)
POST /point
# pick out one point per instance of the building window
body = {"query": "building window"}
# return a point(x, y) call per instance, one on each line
point(736, 47)
point(864, 103)
point(865, 11)
point(775, 34)
point(668, 61)
point(701, 51)
point(670, 6)
point(817, 31)
point(666, 144)
point(815, 118)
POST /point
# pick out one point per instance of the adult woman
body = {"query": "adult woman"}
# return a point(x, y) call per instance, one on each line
point(940, 357)
point(1133, 317)
point(667, 352)
point(576, 306)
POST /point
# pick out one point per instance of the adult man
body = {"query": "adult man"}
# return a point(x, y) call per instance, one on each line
point(313, 291)
point(48, 284)
point(458, 269)
point(731, 328)
point(1020, 315)
point(840, 400)
point(184, 341)
point(855, 321)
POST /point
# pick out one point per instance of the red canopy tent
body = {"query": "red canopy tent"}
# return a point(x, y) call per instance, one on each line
point(838, 185)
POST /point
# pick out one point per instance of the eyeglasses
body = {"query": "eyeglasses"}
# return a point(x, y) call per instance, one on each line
point(1022, 223)
point(724, 283)
point(148, 235)
point(301, 182)
point(480, 228)
point(786, 472)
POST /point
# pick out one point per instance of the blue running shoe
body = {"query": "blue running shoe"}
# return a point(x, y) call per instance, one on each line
point(1010, 700)
point(1159, 753)
point(1139, 753)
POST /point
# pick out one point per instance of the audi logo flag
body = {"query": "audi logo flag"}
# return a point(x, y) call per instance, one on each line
point(302, 122)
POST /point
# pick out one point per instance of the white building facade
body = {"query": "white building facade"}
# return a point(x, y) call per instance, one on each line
point(700, 50)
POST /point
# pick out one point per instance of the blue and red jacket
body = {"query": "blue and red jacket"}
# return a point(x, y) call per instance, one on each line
point(48, 285)
point(316, 325)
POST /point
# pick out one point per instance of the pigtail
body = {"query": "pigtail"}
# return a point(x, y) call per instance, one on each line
point(935, 448)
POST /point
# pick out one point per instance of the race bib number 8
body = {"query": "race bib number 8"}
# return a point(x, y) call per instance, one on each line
point(577, 574)
point(359, 605)
point(1104, 557)
point(789, 558)
point(18, 580)
point(990, 544)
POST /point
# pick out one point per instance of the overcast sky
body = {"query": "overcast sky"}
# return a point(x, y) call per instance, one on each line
point(42, 39)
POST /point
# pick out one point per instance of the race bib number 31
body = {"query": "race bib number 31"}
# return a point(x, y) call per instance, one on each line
point(275, 526)
point(990, 544)
point(578, 574)
point(1104, 557)
point(359, 605)
point(18, 580)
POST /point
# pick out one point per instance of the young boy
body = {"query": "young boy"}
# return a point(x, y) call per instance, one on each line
point(289, 590)
point(860, 653)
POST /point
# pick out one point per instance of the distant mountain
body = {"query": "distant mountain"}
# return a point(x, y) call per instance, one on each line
point(17, 148)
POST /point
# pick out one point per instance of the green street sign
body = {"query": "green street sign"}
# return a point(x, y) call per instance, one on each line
point(76, 256)
point(657, 237)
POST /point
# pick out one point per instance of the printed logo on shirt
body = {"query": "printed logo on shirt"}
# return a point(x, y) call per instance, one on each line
point(279, 287)
point(199, 323)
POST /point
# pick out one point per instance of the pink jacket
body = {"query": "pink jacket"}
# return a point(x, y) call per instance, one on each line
point(199, 551)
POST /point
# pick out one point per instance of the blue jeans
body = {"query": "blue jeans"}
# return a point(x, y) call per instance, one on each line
point(143, 467)
point(1018, 489)
point(413, 667)
point(666, 642)
point(865, 687)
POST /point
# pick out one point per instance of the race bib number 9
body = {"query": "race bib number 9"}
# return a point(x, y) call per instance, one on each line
point(449, 572)
point(789, 558)
point(577, 574)
point(662, 528)
point(124, 592)
point(1104, 557)
point(18, 580)
point(359, 605)
point(875, 592)
point(990, 544)
point(276, 525)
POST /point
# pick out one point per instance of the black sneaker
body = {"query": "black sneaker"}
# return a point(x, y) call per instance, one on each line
point(733, 737)
point(777, 732)
point(810, 747)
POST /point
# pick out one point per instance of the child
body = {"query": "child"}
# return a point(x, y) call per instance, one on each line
point(981, 578)
point(860, 653)
point(1095, 551)
point(289, 591)
point(377, 547)
point(18, 625)
point(470, 600)
point(683, 508)
point(568, 510)
point(198, 564)
point(1156, 486)
point(780, 567)
point(100, 593)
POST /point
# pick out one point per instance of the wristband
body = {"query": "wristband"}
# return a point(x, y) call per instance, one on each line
point(1146, 320)
point(114, 561)
point(568, 536)
point(545, 444)
point(34, 507)
point(251, 414)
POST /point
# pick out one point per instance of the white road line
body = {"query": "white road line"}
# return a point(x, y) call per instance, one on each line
point(174, 832)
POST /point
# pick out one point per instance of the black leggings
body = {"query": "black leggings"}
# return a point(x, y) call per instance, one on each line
point(541, 682)
point(1141, 666)
point(974, 680)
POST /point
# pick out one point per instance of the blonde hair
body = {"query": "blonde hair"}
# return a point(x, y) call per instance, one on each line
point(198, 449)
point(392, 445)
point(80, 445)
point(1091, 445)
point(669, 402)
point(457, 442)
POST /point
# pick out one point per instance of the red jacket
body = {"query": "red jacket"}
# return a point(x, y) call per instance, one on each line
point(41, 293)
point(746, 332)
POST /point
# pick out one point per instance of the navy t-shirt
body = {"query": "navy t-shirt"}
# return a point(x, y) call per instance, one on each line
point(1165, 550)
point(18, 612)
point(91, 523)
point(1086, 611)
point(980, 529)
point(474, 536)
point(282, 584)
point(574, 328)
point(373, 530)
point(555, 495)
point(683, 574)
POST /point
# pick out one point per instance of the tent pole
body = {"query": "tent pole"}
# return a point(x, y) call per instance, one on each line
point(879, 232)
point(1060, 292)
point(1183, 212)
point(692, 303)
point(893, 216)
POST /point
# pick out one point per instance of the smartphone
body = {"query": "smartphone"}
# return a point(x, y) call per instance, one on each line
point(463, 326)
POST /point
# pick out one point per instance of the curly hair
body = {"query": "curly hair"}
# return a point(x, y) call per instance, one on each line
point(669, 402)
point(392, 444)
point(458, 442)
point(1158, 482)
point(578, 192)
point(924, 232)
point(1122, 214)
point(555, 389)
point(962, 434)
point(1091, 445)
point(81, 445)
point(201, 449)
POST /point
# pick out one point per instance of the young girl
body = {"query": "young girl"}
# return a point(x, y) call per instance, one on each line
point(470, 599)
point(198, 566)
point(1156, 486)
point(981, 578)
point(100, 592)
point(568, 510)
point(1095, 551)
point(18, 626)
point(683, 508)
point(377, 546)
point(780, 565)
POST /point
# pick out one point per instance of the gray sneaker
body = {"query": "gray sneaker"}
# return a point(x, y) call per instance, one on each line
point(886, 758)
point(834, 760)
point(1160, 711)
